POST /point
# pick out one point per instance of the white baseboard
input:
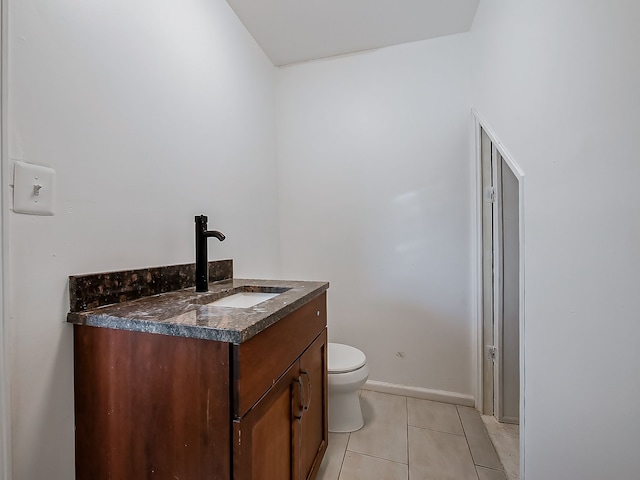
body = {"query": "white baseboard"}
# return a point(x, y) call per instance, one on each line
point(423, 393)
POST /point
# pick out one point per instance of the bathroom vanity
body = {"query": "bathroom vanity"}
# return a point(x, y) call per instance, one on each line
point(171, 385)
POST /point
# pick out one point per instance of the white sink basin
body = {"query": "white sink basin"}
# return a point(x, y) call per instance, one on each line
point(243, 299)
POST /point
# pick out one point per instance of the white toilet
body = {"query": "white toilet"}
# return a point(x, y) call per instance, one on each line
point(348, 371)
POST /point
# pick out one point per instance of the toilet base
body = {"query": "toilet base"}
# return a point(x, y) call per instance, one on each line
point(345, 413)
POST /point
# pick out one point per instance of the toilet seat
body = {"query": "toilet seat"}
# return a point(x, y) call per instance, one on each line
point(345, 358)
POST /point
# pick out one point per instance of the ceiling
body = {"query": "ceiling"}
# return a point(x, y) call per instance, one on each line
point(291, 31)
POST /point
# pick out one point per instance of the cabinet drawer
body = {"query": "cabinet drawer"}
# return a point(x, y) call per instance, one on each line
point(260, 361)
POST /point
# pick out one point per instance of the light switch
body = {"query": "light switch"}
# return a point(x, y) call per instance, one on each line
point(33, 189)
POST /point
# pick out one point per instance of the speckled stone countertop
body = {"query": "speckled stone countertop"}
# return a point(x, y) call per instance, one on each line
point(186, 313)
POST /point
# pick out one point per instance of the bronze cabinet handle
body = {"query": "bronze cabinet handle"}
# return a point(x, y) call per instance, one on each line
point(300, 405)
point(308, 396)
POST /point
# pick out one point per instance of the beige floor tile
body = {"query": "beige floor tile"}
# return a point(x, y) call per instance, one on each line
point(471, 421)
point(483, 452)
point(508, 451)
point(506, 440)
point(480, 444)
point(434, 415)
point(489, 474)
point(384, 434)
point(504, 429)
point(439, 456)
point(332, 461)
point(364, 467)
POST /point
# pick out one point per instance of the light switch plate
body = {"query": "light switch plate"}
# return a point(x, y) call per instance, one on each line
point(33, 189)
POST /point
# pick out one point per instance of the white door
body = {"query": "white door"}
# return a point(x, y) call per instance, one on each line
point(507, 332)
point(500, 285)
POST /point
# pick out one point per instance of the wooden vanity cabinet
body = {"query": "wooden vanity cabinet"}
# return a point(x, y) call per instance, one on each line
point(282, 435)
point(151, 406)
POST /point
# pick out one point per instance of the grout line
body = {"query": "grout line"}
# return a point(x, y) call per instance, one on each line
point(461, 422)
point(475, 466)
point(406, 412)
point(376, 457)
point(436, 430)
point(346, 448)
point(489, 468)
point(379, 458)
point(440, 431)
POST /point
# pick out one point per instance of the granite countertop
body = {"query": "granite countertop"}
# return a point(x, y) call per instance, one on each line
point(185, 312)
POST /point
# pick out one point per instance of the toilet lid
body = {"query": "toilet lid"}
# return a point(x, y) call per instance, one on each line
point(345, 358)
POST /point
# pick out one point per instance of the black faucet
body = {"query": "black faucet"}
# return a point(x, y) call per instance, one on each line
point(202, 260)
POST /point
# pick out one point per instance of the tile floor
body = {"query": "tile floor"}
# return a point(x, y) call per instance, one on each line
point(407, 438)
point(506, 440)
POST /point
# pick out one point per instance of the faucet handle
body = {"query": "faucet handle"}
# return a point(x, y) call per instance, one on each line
point(201, 222)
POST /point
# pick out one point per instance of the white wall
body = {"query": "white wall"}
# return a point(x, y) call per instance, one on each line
point(373, 154)
point(558, 83)
point(151, 112)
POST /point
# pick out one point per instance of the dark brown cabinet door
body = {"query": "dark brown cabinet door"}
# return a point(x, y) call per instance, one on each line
point(263, 438)
point(150, 406)
point(313, 421)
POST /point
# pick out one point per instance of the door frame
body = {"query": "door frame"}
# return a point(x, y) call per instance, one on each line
point(5, 437)
point(478, 124)
point(498, 278)
point(486, 402)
